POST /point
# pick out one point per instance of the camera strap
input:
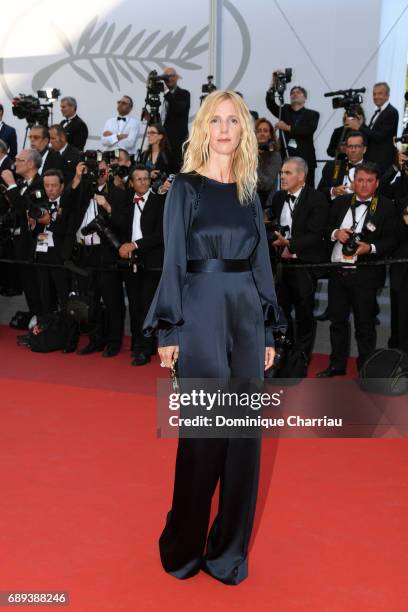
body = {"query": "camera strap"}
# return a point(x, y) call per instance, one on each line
point(353, 213)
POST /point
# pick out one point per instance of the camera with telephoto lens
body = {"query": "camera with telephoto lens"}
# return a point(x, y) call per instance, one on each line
point(120, 171)
point(350, 247)
point(39, 204)
point(281, 80)
point(160, 180)
point(99, 226)
point(349, 99)
point(91, 159)
point(403, 140)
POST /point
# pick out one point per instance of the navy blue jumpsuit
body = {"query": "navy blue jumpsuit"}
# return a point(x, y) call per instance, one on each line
point(222, 322)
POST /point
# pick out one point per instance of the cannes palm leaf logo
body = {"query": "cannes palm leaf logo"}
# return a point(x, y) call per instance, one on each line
point(104, 54)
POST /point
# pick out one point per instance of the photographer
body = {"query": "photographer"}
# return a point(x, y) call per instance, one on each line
point(394, 182)
point(337, 144)
point(69, 154)
point(269, 161)
point(157, 158)
point(381, 130)
point(362, 227)
point(119, 168)
point(399, 282)
point(297, 123)
point(39, 138)
point(301, 214)
point(75, 127)
point(145, 245)
point(121, 131)
point(93, 198)
point(338, 176)
point(175, 110)
point(22, 227)
point(52, 225)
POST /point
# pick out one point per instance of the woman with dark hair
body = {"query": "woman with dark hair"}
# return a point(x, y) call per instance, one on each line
point(157, 157)
point(269, 161)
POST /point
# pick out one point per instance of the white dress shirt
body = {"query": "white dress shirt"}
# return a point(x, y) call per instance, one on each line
point(286, 219)
point(90, 214)
point(44, 157)
point(136, 230)
point(361, 214)
point(347, 180)
point(129, 126)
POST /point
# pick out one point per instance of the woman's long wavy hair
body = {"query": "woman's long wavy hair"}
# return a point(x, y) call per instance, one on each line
point(245, 156)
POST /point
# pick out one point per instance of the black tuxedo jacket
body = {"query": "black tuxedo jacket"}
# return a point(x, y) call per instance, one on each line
point(53, 162)
point(150, 248)
point(176, 121)
point(303, 123)
point(383, 236)
point(381, 149)
point(77, 202)
point(396, 189)
point(327, 181)
point(8, 134)
point(335, 142)
point(309, 223)
point(398, 271)
point(77, 132)
point(70, 159)
point(6, 165)
point(19, 205)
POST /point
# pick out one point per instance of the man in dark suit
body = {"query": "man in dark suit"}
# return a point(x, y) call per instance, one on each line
point(8, 135)
point(399, 282)
point(75, 127)
point(176, 107)
point(40, 140)
point(338, 175)
point(24, 229)
point(53, 282)
point(87, 201)
point(305, 212)
point(145, 240)
point(69, 154)
point(354, 288)
point(297, 125)
point(381, 129)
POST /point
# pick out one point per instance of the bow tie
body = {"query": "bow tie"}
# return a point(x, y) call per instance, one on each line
point(138, 199)
point(362, 203)
point(374, 116)
point(120, 118)
point(290, 198)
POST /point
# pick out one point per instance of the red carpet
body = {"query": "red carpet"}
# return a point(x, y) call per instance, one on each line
point(85, 485)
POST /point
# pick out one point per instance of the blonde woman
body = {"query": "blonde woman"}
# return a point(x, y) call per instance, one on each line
point(214, 309)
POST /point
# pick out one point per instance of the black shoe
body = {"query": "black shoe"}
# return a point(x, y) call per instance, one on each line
point(110, 351)
point(140, 359)
point(324, 316)
point(90, 348)
point(330, 372)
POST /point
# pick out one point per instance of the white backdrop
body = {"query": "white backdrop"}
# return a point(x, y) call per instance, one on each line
point(101, 49)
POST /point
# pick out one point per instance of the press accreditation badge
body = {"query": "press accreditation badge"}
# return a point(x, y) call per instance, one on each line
point(292, 143)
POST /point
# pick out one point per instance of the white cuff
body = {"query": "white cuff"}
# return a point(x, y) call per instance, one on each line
point(11, 186)
point(332, 238)
point(373, 249)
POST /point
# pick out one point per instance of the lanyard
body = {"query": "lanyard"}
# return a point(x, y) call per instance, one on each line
point(353, 213)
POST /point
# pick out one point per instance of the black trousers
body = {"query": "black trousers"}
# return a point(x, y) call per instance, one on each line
point(399, 316)
point(108, 286)
point(345, 295)
point(223, 337)
point(296, 290)
point(22, 250)
point(140, 289)
point(54, 283)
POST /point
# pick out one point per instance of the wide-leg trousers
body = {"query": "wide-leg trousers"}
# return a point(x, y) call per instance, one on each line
point(223, 337)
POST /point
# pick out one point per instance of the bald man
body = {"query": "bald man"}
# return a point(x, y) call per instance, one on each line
point(176, 107)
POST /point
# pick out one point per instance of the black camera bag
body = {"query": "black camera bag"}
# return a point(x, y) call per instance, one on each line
point(385, 371)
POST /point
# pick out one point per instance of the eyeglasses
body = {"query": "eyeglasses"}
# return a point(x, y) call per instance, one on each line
point(360, 146)
point(150, 133)
point(123, 102)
